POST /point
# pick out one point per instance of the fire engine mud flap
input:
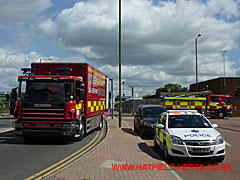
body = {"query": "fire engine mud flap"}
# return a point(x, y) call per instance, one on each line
point(91, 146)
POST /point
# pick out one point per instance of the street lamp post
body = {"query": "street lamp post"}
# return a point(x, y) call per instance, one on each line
point(132, 99)
point(120, 70)
point(196, 61)
point(223, 52)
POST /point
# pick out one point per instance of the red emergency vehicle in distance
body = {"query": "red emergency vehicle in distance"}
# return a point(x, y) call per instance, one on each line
point(60, 100)
point(212, 105)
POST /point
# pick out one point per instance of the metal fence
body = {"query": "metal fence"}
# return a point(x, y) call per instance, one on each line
point(130, 106)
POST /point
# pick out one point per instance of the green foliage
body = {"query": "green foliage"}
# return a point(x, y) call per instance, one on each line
point(145, 96)
point(172, 88)
point(1, 105)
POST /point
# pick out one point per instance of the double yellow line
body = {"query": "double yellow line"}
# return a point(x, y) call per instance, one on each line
point(54, 168)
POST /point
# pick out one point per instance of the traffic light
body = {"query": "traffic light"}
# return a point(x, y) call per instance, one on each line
point(237, 92)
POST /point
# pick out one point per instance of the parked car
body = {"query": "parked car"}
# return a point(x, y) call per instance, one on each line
point(146, 116)
point(187, 133)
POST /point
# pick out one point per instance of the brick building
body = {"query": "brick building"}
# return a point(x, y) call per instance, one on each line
point(217, 86)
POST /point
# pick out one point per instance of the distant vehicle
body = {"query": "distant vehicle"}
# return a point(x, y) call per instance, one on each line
point(212, 105)
point(145, 117)
point(186, 133)
point(64, 100)
point(13, 99)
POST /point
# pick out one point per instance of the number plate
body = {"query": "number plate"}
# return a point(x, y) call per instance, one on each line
point(40, 124)
point(201, 150)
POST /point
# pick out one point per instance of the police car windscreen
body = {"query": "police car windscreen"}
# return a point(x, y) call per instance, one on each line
point(188, 121)
point(153, 111)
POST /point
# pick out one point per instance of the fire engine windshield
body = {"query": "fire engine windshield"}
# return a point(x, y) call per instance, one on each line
point(45, 91)
point(227, 100)
point(188, 121)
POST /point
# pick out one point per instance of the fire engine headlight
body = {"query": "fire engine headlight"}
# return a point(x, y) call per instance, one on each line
point(176, 140)
point(67, 126)
point(17, 125)
point(219, 140)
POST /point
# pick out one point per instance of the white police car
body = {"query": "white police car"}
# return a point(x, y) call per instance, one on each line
point(186, 133)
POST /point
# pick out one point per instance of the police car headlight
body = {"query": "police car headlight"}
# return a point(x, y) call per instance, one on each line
point(219, 140)
point(147, 124)
point(176, 140)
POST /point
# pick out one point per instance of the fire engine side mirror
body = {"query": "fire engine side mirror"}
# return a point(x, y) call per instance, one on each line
point(82, 85)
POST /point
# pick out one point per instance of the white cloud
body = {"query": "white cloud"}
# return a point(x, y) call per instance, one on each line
point(11, 64)
point(157, 38)
point(21, 11)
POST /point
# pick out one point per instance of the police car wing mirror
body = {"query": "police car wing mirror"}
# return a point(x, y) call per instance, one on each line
point(160, 126)
point(215, 125)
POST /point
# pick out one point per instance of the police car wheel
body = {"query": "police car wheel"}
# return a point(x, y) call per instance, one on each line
point(135, 128)
point(165, 153)
point(155, 144)
point(141, 133)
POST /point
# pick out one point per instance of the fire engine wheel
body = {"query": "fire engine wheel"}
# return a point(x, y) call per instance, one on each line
point(220, 115)
point(80, 132)
point(100, 122)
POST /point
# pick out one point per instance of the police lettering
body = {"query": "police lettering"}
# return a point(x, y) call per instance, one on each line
point(197, 135)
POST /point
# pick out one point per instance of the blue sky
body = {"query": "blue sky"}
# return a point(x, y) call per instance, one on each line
point(157, 36)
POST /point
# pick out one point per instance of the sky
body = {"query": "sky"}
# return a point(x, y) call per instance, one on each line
point(158, 39)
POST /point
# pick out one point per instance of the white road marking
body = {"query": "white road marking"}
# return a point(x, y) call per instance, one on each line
point(5, 130)
point(227, 143)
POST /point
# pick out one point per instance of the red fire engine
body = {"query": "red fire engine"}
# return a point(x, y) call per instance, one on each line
point(212, 105)
point(60, 100)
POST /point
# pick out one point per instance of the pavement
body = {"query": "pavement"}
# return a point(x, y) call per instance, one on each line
point(121, 149)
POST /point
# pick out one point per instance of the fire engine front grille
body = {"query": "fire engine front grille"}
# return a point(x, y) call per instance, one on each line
point(42, 114)
point(199, 143)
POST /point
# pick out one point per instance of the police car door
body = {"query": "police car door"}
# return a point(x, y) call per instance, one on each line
point(161, 132)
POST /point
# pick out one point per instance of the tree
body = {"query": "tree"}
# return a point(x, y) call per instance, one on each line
point(171, 88)
point(145, 96)
point(1, 104)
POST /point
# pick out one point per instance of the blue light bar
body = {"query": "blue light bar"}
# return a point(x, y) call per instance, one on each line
point(64, 69)
point(28, 69)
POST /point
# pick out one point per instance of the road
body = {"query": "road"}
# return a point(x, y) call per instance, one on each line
point(21, 159)
point(230, 129)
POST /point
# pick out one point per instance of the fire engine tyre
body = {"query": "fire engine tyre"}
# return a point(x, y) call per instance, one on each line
point(81, 132)
point(220, 115)
point(100, 122)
